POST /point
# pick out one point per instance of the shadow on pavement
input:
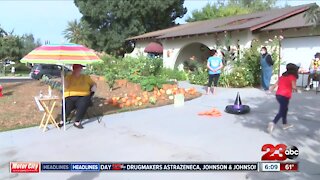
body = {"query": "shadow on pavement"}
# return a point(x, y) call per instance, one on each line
point(304, 111)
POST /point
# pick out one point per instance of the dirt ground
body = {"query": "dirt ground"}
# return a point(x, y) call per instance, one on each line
point(18, 107)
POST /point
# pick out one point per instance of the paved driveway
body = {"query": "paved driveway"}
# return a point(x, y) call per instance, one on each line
point(175, 134)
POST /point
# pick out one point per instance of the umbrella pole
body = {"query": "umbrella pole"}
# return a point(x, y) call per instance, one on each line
point(63, 100)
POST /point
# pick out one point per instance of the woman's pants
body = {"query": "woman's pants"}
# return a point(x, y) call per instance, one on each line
point(213, 78)
point(283, 110)
point(266, 77)
point(80, 103)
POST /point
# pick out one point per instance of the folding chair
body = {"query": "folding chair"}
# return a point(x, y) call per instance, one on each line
point(317, 79)
point(87, 115)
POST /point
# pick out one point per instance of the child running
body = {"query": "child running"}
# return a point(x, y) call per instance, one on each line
point(286, 84)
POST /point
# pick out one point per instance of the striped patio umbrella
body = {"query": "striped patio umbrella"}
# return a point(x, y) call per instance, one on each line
point(61, 54)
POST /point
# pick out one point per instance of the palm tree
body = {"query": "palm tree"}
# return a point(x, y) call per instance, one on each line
point(3, 32)
point(75, 33)
point(313, 15)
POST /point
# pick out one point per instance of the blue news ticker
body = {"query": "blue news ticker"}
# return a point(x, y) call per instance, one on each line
point(84, 167)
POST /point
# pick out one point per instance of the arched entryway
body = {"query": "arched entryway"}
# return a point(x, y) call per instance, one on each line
point(192, 52)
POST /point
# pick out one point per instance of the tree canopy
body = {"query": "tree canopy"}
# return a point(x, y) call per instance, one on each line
point(76, 32)
point(230, 8)
point(14, 47)
point(313, 15)
point(110, 22)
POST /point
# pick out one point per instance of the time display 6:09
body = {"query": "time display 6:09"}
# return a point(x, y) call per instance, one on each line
point(271, 167)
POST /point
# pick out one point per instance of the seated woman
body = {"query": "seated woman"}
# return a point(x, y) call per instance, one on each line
point(314, 71)
point(78, 88)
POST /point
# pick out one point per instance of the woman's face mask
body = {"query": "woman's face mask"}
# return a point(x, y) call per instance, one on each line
point(262, 51)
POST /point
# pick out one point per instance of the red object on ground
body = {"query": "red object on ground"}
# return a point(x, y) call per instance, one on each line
point(154, 47)
point(213, 113)
point(0, 91)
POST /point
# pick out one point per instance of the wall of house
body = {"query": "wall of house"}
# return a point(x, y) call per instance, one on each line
point(195, 51)
point(179, 49)
point(289, 33)
point(173, 48)
point(298, 46)
point(139, 48)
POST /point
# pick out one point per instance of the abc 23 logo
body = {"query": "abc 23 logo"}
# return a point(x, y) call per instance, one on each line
point(279, 152)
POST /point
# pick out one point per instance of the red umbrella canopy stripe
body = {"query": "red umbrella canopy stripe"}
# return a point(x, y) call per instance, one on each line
point(61, 53)
point(154, 47)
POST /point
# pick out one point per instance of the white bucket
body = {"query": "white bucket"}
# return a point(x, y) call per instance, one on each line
point(178, 100)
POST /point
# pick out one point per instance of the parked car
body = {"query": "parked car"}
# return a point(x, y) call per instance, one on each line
point(49, 70)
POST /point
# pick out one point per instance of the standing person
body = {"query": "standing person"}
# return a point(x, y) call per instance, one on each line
point(314, 71)
point(286, 84)
point(214, 66)
point(266, 63)
point(78, 88)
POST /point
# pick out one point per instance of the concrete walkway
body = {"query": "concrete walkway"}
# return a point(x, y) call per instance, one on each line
point(175, 134)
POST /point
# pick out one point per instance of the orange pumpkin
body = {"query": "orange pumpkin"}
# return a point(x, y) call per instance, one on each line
point(180, 91)
point(124, 100)
point(121, 105)
point(145, 93)
point(133, 101)
point(145, 100)
point(109, 101)
point(128, 103)
point(162, 91)
point(155, 92)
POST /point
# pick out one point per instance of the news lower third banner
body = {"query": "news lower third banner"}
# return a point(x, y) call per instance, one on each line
point(37, 167)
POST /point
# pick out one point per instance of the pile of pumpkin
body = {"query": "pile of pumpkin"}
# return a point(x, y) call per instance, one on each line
point(129, 100)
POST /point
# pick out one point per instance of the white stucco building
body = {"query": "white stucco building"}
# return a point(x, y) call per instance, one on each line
point(193, 40)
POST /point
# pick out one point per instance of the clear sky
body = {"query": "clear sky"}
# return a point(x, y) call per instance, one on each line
point(46, 19)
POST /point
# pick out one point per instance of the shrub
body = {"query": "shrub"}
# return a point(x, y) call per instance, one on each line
point(21, 67)
point(150, 82)
point(100, 68)
point(199, 77)
point(111, 77)
point(250, 61)
point(240, 77)
point(51, 82)
point(193, 65)
point(224, 80)
point(173, 74)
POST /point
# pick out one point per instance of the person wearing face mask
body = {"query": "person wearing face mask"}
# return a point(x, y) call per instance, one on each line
point(314, 70)
point(266, 63)
point(78, 89)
